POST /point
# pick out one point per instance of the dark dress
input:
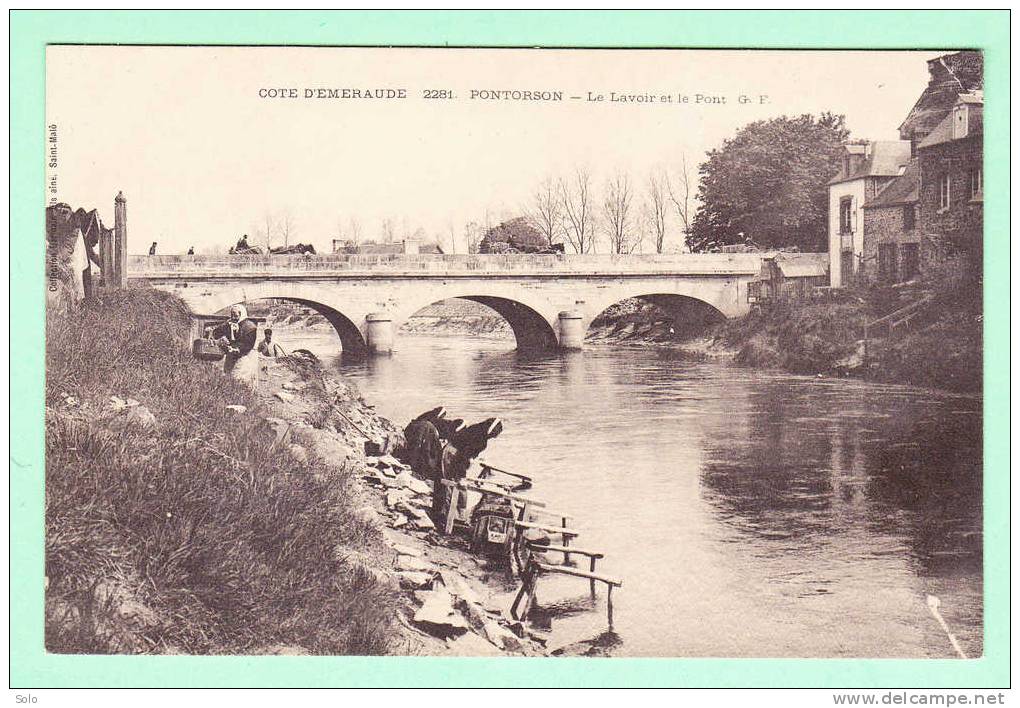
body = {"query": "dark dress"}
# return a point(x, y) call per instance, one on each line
point(243, 338)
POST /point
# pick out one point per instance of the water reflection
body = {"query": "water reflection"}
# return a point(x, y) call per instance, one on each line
point(748, 513)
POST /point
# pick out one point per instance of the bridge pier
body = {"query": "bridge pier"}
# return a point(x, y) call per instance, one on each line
point(379, 333)
point(571, 330)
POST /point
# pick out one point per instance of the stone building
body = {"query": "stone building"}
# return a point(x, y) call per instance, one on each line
point(951, 191)
point(865, 170)
point(891, 225)
point(892, 235)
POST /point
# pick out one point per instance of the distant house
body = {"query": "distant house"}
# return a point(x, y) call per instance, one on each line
point(891, 207)
point(788, 276)
point(918, 221)
point(865, 170)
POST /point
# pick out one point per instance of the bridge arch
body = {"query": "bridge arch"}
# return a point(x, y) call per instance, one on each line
point(532, 329)
point(344, 321)
point(689, 315)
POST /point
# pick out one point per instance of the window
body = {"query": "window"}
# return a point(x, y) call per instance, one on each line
point(846, 215)
point(908, 217)
point(977, 184)
point(960, 122)
point(944, 192)
point(908, 261)
point(887, 262)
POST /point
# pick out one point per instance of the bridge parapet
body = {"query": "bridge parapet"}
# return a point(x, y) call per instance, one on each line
point(709, 264)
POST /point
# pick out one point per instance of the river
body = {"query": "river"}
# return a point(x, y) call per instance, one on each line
point(748, 513)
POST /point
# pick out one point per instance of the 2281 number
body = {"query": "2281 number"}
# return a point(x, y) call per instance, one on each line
point(437, 93)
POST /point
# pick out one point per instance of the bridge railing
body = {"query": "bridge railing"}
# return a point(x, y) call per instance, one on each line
point(707, 263)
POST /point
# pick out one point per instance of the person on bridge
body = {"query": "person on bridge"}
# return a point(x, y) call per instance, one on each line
point(191, 251)
point(152, 249)
point(267, 347)
point(237, 337)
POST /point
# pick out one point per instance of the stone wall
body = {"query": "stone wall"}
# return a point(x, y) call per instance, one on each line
point(951, 238)
point(885, 225)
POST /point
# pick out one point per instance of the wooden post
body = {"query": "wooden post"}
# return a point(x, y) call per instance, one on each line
point(609, 604)
point(106, 256)
point(451, 511)
point(119, 279)
point(592, 581)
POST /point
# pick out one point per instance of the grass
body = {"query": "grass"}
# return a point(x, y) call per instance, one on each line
point(198, 534)
point(944, 349)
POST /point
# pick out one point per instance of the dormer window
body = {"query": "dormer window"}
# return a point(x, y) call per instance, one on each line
point(960, 122)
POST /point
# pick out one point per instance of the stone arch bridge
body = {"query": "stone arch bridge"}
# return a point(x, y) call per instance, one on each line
point(548, 300)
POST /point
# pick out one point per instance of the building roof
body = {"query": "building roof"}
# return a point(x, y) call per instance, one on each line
point(943, 132)
point(902, 190)
point(799, 265)
point(883, 159)
point(948, 76)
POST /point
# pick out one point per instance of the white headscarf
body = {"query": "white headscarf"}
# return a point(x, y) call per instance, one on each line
point(240, 310)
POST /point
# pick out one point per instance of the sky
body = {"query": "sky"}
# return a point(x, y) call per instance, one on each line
point(203, 154)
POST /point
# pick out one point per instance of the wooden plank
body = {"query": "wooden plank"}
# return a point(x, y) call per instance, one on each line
point(451, 512)
point(490, 468)
point(554, 514)
point(567, 570)
point(551, 529)
point(565, 549)
point(476, 486)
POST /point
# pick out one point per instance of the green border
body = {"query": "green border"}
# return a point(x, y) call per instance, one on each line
point(32, 30)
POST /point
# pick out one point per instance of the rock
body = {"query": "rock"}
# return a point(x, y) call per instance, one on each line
point(398, 521)
point(385, 481)
point(395, 497)
point(458, 587)
point(470, 644)
point(414, 564)
point(391, 461)
point(237, 408)
point(299, 453)
point(407, 550)
point(502, 637)
point(414, 579)
point(291, 386)
point(141, 417)
point(405, 479)
point(284, 396)
point(438, 616)
point(367, 514)
point(423, 523)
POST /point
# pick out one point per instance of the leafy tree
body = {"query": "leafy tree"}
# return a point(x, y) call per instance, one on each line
point(768, 184)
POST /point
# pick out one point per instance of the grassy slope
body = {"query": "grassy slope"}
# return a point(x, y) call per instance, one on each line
point(943, 350)
point(198, 534)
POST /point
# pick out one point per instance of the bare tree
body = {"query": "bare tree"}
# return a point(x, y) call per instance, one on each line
point(353, 231)
point(616, 207)
point(576, 199)
point(680, 195)
point(388, 230)
point(264, 231)
point(472, 236)
point(286, 226)
point(656, 208)
point(546, 211)
point(453, 236)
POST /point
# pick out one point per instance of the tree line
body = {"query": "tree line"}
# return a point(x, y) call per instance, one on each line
point(765, 186)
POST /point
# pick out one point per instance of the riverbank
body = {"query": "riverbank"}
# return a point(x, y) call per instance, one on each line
point(187, 515)
point(942, 349)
